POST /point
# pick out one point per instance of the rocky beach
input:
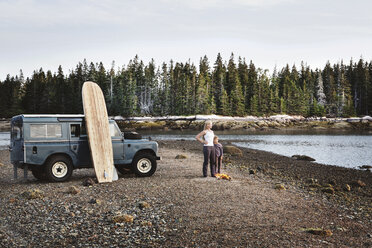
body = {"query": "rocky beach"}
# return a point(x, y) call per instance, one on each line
point(271, 201)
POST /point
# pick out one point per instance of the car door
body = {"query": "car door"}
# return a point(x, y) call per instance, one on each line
point(117, 142)
point(79, 145)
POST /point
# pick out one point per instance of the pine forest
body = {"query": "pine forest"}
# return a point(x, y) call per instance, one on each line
point(234, 87)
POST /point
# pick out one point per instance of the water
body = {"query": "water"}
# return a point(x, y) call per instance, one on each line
point(4, 140)
point(347, 150)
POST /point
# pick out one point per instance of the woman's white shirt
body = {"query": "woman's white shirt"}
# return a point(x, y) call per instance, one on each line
point(208, 136)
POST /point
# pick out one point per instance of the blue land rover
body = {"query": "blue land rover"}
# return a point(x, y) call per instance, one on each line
point(52, 146)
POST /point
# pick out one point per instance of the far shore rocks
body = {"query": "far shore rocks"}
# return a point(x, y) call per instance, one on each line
point(249, 123)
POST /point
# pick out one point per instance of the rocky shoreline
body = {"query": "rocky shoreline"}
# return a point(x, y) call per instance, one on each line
point(249, 123)
point(271, 201)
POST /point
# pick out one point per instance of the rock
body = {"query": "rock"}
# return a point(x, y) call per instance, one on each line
point(328, 190)
point(123, 218)
point(181, 156)
point(146, 223)
point(303, 157)
point(332, 182)
point(311, 181)
point(280, 187)
point(347, 187)
point(33, 194)
point(233, 150)
point(318, 231)
point(341, 125)
point(315, 185)
point(95, 201)
point(73, 190)
point(88, 182)
point(1, 164)
point(358, 183)
point(365, 167)
point(252, 172)
point(143, 205)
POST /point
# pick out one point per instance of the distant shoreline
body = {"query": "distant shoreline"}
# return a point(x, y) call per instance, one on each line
point(251, 123)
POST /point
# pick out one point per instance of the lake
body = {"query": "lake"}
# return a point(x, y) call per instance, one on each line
point(4, 140)
point(344, 149)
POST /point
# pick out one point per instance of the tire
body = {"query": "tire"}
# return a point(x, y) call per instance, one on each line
point(39, 173)
point(58, 168)
point(123, 169)
point(144, 165)
point(132, 135)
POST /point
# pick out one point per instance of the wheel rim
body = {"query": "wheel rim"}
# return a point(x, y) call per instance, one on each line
point(144, 165)
point(59, 169)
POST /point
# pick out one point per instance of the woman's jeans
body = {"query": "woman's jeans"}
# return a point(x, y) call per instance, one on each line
point(209, 155)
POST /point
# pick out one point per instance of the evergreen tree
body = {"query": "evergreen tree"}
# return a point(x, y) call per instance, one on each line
point(218, 79)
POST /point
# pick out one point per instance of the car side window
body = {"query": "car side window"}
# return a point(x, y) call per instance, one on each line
point(114, 131)
point(45, 131)
point(16, 133)
point(75, 130)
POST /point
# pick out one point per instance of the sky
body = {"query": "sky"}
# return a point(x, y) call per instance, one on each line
point(44, 34)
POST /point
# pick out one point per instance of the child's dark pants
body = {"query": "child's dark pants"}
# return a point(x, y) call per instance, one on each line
point(218, 164)
point(210, 156)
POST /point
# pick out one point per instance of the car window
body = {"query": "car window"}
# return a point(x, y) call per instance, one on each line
point(45, 130)
point(16, 133)
point(114, 131)
point(75, 130)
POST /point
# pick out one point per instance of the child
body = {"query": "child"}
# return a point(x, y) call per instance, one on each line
point(218, 149)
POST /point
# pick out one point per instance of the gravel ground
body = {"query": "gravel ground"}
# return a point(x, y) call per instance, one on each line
point(176, 207)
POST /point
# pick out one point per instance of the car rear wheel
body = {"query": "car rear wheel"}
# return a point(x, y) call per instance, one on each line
point(39, 173)
point(58, 168)
point(144, 165)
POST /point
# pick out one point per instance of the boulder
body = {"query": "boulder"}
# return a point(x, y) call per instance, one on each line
point(88, 182)
point(341, 125)
point(95, 201)
point(143, 205)
point(181, 156)
point(347, 187)
point(123, 218)
point(358, 183)
point(303, 157)
point(73, 190)
point(233, 150)
point(319, 231)
point(328, 190)
point(33, 194)
point(365, 167)
point(280, 187)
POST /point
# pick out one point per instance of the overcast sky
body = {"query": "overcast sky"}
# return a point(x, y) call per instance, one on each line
point(40, 33)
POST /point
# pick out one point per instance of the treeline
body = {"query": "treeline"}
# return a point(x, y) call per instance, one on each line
point(232, 87)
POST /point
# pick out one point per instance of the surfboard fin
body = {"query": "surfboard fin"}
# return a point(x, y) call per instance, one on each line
point(115, 175)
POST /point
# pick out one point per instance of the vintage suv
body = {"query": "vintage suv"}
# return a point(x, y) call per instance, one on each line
point(52, 146)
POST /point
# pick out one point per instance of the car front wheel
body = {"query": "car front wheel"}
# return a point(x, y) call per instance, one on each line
point(144, 165)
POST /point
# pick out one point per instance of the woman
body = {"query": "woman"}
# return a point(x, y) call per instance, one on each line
point(208, 149)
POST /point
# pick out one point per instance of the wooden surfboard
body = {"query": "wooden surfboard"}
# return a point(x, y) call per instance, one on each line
point(98, 131)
